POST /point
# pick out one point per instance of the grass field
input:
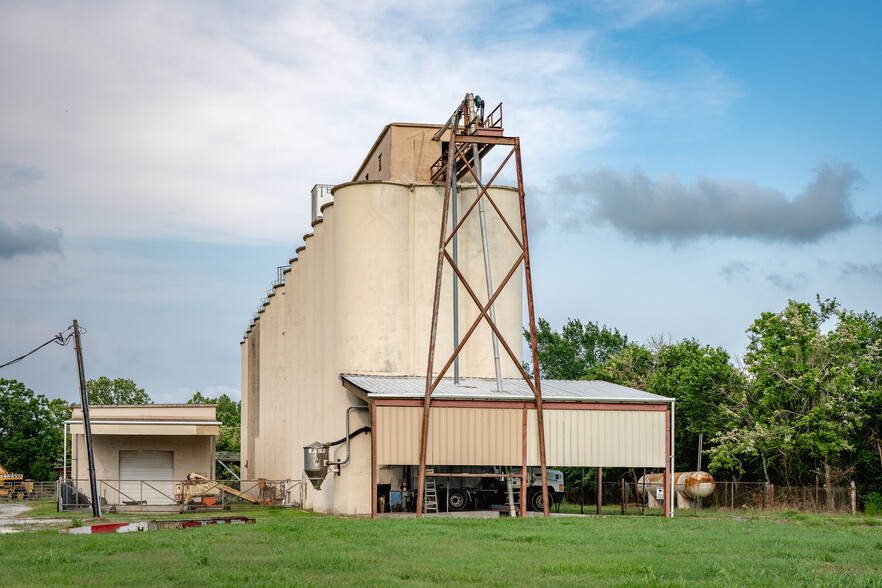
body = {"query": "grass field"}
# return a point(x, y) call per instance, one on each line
point(289, 547)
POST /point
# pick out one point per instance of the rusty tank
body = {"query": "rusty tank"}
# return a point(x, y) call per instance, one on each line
point(690, 484)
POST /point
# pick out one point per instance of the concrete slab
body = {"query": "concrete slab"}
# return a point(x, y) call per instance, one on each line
point(139, 508)
point(464, 514)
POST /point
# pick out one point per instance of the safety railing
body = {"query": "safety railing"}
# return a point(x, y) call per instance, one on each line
point(182, 495)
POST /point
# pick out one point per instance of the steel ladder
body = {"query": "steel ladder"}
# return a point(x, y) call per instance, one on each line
point(430, 503)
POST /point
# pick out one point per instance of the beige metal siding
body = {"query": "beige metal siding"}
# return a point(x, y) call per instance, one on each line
point(620, 438)
point(457, 436)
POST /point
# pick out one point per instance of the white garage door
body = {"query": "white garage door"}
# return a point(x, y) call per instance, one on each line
point(147, 476)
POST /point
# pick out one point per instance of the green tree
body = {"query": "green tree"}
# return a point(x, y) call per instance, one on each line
point(229, 413)
point(118, 391)
point(808, 393)
point(698, 377)
point(30, 431)
point(868, 440)
point(631, 367)
point(572, 353)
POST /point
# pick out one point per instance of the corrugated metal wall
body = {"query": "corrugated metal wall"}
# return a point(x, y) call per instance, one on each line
point(493, 436)
point(613, 438)
point(457, 436)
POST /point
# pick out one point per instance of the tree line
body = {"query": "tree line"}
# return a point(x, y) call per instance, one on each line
point(805, 403)
point(31, 425)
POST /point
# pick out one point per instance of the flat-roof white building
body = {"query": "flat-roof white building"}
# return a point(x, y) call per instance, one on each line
point(156, 443)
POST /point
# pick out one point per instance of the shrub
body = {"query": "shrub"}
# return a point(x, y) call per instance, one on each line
point(873, 503)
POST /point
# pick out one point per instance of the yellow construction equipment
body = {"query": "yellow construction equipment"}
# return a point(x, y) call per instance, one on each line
point(197, 489)
point(14, 485)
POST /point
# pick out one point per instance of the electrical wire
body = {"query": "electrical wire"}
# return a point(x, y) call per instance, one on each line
point(61, 339)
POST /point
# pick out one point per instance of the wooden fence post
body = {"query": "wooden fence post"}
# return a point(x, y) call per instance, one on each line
point(853, 498)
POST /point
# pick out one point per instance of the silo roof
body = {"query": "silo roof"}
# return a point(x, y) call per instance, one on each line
point(513, 389)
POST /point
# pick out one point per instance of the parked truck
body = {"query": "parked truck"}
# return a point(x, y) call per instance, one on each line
point(462, 493)
point(14, 485)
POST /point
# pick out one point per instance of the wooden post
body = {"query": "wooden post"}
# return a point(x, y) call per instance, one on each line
point(87, 423)
point(853, 498)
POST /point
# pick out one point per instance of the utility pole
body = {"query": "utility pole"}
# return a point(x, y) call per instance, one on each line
point(87, 424)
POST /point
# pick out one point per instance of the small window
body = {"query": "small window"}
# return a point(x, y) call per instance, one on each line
point(379, 162)
point(366, 176)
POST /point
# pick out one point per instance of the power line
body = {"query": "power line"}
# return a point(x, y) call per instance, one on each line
point(60, 339)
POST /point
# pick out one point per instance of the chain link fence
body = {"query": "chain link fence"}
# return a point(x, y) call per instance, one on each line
point(630, 498)
point(620, 497)
point(27, 490)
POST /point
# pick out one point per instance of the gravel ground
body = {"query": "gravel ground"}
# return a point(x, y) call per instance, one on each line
point(12, 521)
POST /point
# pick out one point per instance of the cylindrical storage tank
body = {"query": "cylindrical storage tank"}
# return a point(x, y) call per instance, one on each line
point(385, 260)
point(649, 483)
point(694, 484)
point(690, 484)
point(372, 278)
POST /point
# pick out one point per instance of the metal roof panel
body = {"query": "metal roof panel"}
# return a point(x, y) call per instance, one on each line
point(512, 389)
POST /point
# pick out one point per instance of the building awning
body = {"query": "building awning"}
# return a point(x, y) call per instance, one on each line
point(147, 419)
point(513, 389)
point(118, 426)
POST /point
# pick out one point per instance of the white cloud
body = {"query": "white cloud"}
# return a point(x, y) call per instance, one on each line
point(630, 14)
point(193, 121)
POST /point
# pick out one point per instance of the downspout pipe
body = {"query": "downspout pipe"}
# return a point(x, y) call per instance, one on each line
point(454, 118)
point(348, 455)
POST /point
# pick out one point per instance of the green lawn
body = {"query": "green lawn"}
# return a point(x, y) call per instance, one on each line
point(288, 547)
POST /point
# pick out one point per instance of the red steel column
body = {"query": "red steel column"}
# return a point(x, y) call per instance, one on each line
point(533, 344)
point(524, 484)
point(424, 435)
point(668, 473)
point(373, 410)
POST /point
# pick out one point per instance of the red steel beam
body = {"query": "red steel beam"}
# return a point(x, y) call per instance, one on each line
point(424, 436)
point(373, 410)
point(524, 465)
point(668, 473)
point(449, 475)
point(454, 154)
point(472, 328)
point(533, 344)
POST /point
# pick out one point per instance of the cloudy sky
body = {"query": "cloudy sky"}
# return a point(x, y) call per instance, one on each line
point(689, 163)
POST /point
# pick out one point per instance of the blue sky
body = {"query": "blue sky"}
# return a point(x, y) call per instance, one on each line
point(689, 164)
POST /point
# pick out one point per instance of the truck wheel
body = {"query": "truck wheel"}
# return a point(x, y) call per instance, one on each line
point(535, 500)
point(457, 499)
point(19, 494)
